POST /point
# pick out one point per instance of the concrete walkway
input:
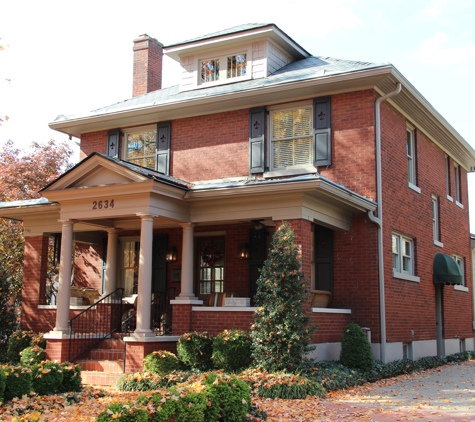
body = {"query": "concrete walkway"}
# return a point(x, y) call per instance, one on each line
point(442, 394)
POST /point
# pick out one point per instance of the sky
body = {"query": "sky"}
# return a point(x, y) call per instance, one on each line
point(66, 57)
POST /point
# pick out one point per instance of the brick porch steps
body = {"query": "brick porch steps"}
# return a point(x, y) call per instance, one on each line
point(99, 378)
point(103, 365)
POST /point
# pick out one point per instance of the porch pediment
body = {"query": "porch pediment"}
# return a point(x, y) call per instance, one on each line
point(95, 171)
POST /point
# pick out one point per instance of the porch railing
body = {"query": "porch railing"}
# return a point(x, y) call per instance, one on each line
point(160, 318)
point(96, 323)
point(160, 314)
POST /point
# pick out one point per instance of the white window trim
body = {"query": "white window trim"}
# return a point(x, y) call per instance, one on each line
point(464, 287)
point(407, 277)
point(448, 186)
point(404, 275)
point(436, 230)
point(414, 187)
point(289, 170)
point(128, 131)
point(411, 155)
point(223, 56)
point(457, 183)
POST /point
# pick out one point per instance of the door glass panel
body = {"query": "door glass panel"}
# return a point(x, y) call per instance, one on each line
point(129, 269)
point(211, 266)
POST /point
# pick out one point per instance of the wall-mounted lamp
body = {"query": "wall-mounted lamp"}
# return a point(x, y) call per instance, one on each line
point(243, 251)
point(170, 255)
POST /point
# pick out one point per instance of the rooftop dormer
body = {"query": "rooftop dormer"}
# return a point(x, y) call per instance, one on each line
point(240, 53)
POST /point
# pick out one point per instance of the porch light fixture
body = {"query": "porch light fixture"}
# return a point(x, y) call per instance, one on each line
point(170, 255)
point(243, 251)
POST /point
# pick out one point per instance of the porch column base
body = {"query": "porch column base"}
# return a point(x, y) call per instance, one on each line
point(57, 348)
point(137, 349)
point(182, 321)
point(143, 333)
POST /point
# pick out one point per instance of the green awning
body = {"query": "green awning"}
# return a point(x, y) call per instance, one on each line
point(446, 270)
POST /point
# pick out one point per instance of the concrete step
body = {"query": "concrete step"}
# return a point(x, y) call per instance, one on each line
point(99, 378)
point(99, 365)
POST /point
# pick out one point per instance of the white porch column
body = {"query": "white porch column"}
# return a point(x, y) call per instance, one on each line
point(144, 298)
point(187, 263)
point(64, 286)
point(110, 283)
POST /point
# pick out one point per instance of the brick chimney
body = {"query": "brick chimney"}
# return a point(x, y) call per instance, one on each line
point(148, 54)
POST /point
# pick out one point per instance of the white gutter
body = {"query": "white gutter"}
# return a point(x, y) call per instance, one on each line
point(379, 219)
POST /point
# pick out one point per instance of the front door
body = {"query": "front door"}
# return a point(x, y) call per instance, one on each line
point(210, 262)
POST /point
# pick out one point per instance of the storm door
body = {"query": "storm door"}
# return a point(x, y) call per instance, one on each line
point(210, 262)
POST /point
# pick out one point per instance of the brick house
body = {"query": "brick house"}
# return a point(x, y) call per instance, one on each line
point(180, 189)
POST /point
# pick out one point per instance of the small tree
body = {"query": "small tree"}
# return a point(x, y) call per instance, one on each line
point(281, 332)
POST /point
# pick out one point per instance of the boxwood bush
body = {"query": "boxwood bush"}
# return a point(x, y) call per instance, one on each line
point(195, 349)
point(71, 378)
point(17, 381)
point(17, 342)
point(47, 377)
point(232, 350)
point(32, 355)
point(161, 362)
point(123, 412)
point(355, 348)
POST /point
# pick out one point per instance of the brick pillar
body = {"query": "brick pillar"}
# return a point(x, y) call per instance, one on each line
point(181, 317)
point(148, 56)
point(34, 280)
point(303, 239)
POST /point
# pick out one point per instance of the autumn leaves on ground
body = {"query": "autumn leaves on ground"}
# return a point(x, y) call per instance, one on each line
point(441, 394)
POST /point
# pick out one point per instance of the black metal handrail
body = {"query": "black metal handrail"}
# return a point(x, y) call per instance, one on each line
point(96, 323)
point(160, 317)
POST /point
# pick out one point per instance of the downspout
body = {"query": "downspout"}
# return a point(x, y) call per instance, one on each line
point(379, 219)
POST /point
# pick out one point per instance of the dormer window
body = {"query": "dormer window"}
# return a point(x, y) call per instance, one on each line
point(211, 71)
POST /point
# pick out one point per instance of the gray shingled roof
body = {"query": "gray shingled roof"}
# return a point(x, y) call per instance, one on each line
point(233, 30)
point(298, 71)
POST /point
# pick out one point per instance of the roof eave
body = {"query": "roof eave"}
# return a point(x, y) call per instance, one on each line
point(262, 95)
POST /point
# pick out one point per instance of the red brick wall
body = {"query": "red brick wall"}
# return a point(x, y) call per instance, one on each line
point(409, 305)
point(211, 147)
point(355, 273)
point(93, 142)
point(353, 142)
point(216, 321)
point(34, 280)
point(88, 266)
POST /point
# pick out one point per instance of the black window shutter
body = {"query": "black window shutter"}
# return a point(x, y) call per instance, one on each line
point(256, 139)
point(159, 263)
point(322, 125)
point(163, 147)
point(113, 138)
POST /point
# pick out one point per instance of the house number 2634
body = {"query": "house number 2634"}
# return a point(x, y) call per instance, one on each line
point(99, 205)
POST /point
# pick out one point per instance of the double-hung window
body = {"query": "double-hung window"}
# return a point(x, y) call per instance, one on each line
point(291, 136)
point(436, 221)
point(300, 135)
point(148, 146)
point(411, 158)
point(448, 171)
point(403, 257)
point(461, 263)
point(458, 185)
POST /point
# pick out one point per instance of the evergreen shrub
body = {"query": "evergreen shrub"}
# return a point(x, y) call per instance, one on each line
point(229, 397)
point(355, 348)
point(46, 377)
point(281, 331)
point(18, 381)
point(3, 382)
point(195, 349)
point(122, 412)
point(17, 342)
point(71, 378)
point(146, 381)
point(232, 350)
point(32, 355)
point(161, 362)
